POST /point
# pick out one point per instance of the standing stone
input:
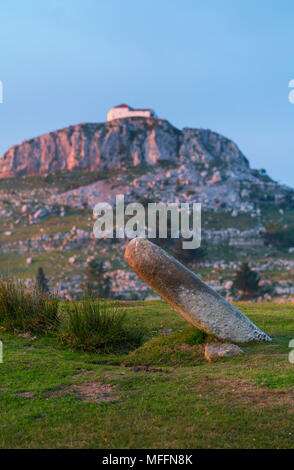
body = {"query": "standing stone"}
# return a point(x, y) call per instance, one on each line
point(188, 295)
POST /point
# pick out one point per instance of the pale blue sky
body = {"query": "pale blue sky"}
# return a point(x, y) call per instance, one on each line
point(218, 64)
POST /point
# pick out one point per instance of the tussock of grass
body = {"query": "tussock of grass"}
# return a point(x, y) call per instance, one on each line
point(93, 325)
point(24, 309)
point(183, 348)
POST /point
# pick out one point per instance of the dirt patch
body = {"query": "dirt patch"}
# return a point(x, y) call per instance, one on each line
point(186, 348)
point(147, 369)
point(79, 372)
point(166, 331)
point(94, 391)
point(242, 393)
point(27, 336)
point(26, 394)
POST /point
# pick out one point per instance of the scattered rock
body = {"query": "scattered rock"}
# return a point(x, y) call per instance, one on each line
point(25, 209)
point(37, 215)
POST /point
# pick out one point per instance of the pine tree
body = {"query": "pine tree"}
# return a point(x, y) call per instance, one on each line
point(41, 281)
point(246, 280)
point(97, 283)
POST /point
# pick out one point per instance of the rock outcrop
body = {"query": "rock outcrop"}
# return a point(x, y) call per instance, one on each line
point(112, 145)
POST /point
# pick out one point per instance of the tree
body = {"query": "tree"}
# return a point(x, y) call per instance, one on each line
point(98, 284)
point(246, 280)
point(41, 281)
point(193, 256)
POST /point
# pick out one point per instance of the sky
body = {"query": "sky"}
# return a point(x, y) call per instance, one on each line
point(224, 65)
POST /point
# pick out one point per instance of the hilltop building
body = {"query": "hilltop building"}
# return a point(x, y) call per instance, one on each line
point(124, 111)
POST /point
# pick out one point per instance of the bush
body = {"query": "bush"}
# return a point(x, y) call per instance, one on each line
point(97, 285)
point(93, 325)
point(24, 309)
point(247, 281)
point(41, 281)
point(194, 256)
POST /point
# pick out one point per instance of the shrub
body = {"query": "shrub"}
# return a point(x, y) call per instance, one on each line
point(247, 281)
point(24, 309)
point(95, 325)
point(41, 281)
point(194, 256)
point(98, 284)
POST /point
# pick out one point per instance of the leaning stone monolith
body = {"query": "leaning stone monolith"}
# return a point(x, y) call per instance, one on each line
point(188, 295)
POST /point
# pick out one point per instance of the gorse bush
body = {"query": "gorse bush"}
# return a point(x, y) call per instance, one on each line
point(24, 309)
point(95, 325)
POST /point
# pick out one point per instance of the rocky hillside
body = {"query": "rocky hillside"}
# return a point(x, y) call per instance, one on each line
point(47, 218)
point(200, 162)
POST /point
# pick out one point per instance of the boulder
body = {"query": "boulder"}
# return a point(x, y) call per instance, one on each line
point(221, 350)
point(188, 295)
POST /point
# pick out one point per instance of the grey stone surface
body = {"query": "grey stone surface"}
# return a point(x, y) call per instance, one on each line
point(194, 300)
point(221, 350)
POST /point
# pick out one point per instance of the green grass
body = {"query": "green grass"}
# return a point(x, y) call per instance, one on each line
point(53, 262)
point(49, 225)
point(179, 349)
point(64, 181)
point(240, 402)
point(223, 219)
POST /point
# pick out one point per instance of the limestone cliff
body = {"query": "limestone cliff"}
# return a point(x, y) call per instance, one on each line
point(116, 144)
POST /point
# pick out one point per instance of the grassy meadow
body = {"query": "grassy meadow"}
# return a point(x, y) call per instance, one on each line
point(163, 394)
